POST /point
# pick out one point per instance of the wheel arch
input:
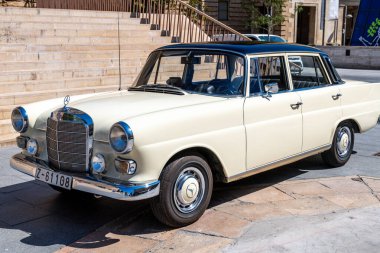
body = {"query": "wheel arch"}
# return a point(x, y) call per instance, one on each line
point(355, 125)
point(210, 156)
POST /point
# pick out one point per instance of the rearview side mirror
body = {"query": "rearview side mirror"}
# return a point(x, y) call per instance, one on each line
point(270, 89)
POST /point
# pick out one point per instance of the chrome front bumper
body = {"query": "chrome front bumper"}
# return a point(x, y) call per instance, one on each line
point(126, 192)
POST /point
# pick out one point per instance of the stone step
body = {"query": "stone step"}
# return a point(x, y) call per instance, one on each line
point(19, 98)
point(69, 19)
point(69, 83)
point(6, 127)
point(27, 47)
point(62, 12)
point(6, 111)
point(73, 55)
point(7, 140)
point(146, 40)
point(63, 65)
point(8, 77)
point(67, 25)
point(110, 33)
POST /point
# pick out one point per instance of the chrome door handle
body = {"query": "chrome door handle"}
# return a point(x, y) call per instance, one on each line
point(296, 106)
point(337, 96)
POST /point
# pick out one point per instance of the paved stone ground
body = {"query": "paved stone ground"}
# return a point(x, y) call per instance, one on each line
point(299, 207)
point(317, 215)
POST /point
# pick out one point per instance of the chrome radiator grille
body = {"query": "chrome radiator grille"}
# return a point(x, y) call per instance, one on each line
point(68, 138)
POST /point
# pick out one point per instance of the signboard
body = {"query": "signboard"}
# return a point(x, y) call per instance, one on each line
point(367, 26)
point(333, 10)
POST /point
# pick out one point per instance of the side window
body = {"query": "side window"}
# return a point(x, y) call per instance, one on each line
point(306, 72)
point(332, 71)
point(267, 70)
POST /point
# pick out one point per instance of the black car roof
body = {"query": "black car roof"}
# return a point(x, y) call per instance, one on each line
point(245, 47)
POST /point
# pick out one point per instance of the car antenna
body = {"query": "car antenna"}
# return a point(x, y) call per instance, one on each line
point(118, 37)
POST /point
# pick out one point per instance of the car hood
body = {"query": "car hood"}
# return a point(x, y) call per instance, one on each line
point(107, 108)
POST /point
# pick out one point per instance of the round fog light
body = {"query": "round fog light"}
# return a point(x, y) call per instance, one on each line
point(32, 147)
point(98, 163)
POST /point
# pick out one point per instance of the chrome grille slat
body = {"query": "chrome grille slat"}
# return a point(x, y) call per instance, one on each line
point(67, 137)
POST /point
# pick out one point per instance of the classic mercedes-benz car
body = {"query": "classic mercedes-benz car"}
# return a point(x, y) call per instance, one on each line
point(196, 114)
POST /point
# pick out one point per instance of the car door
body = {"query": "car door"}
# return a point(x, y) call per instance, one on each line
point(273, 123)
point(321, 107)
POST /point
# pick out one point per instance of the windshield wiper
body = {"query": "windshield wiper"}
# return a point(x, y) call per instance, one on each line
point(164, 88)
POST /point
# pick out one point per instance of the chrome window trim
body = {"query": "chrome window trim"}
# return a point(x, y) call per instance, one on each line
point(253, 56)
point(323, 70)
point(244, 56)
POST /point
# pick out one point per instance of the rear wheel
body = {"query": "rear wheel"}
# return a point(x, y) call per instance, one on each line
point(185, 191)
point(341, 149)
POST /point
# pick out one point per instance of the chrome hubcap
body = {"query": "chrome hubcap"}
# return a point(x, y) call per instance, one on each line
point(189, 190)
point(343, 141)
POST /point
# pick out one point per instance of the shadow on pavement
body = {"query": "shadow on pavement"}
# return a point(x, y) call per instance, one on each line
point(47, 217)
point(145, 225)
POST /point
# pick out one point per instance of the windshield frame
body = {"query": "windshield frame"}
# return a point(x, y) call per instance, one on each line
point(155, 55)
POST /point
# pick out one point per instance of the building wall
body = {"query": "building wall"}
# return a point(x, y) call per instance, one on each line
point(238, 19)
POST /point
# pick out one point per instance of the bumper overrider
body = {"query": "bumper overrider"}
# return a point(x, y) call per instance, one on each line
point(126, 192)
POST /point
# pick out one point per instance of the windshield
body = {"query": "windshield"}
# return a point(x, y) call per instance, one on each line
point(272, 38)
point(203, 72)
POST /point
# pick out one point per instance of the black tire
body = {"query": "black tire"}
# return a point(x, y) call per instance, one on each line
point(168, 208)
point(334, 157)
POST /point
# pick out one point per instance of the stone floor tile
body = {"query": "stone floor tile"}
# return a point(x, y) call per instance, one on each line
point(192, 242)
point(51, 230)
point(254, 212)
point(374, 183)
point(219, 224)
point(308, 206)
point(147, 226)
point(267, 194)
point(353, 200)
point(298, 190)
point(109, 243)
point(36, 195)
point(345, 185)
point(17, 212)
point(12, 183)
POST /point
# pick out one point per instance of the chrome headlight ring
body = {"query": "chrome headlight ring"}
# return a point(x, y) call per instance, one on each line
point(20, 120)
point(121, 138)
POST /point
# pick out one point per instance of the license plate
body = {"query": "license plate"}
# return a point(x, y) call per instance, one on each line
point(54, 178)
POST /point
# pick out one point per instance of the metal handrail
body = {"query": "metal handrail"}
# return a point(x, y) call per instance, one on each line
point(174, 18)
point(233, 31)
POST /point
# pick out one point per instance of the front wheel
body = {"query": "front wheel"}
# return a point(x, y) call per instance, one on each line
point(186, 188)
point(341, 149)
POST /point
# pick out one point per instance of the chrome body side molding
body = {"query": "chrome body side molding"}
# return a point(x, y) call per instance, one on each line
point(278, 163)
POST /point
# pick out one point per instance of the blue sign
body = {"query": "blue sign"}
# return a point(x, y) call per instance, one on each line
point(367, 26)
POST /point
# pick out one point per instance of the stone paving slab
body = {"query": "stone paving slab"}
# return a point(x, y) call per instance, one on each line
point(272, 219)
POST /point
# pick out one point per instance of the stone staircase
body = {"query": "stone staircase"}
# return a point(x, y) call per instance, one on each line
point(48, 53)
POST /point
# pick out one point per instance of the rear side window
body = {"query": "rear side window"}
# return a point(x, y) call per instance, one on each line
point(332, 71)
point(307, 72)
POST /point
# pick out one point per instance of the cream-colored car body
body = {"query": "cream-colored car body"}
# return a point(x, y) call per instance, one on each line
point(246, 134)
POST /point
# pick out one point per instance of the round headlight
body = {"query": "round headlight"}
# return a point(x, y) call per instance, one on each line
point(121, 138)
point(32, 147)
point(20, 120)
